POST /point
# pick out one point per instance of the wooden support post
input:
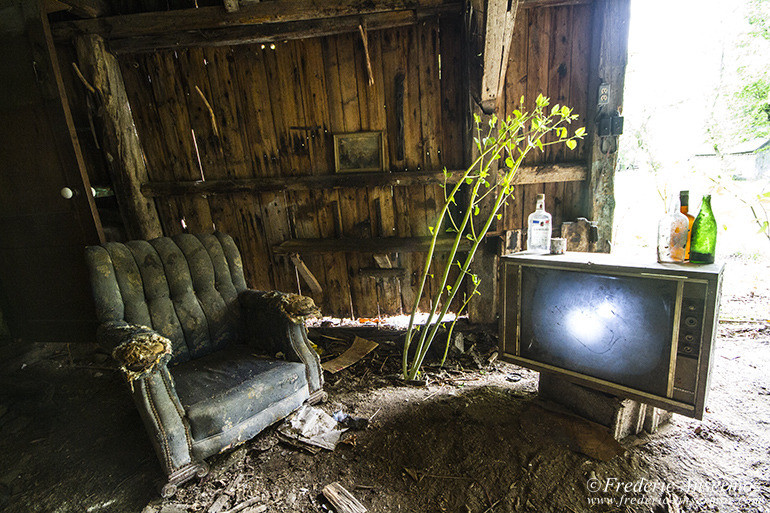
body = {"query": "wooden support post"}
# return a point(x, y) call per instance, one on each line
point(608, 66)
point(121, 143)
point(492, 24)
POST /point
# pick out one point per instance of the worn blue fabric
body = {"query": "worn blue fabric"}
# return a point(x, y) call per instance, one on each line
point(184, 287)
point(225, 388)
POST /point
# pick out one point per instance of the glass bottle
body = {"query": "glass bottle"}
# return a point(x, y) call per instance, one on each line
point(672, 234)
point(684, 202)
point(539, 228)
point(703, 243)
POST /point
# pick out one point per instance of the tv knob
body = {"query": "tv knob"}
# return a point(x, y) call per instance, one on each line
point(687, 349)
point(691, 322)
point(689, 339)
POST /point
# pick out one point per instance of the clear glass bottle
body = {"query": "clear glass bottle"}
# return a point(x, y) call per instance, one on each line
point(672, 234)
point(684, 202)
point(704, 235)
point(539, 228)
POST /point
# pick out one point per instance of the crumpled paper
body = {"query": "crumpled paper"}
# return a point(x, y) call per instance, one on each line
point(313, 426)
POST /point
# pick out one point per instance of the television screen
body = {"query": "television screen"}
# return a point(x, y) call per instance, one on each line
point(615, 328)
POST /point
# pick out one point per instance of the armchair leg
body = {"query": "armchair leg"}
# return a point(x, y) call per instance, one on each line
point(182, 475)
point(317, 397)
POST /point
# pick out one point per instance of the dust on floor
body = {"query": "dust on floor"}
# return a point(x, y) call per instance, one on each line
point(473, 440)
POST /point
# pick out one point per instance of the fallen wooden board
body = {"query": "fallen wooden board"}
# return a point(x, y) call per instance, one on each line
point(360, 348)
point(342, 500)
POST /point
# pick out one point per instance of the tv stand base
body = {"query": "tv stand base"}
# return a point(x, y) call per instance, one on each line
point(623, 417)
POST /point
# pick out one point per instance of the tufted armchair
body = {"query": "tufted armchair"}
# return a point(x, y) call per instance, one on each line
point(210, 362)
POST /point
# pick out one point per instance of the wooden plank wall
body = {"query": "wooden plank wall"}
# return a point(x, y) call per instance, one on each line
point(550, 54)
point(254, 111)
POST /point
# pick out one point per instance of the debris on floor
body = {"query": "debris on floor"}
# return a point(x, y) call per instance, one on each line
point(312, 426)
point(342, 500)
point(360, 348)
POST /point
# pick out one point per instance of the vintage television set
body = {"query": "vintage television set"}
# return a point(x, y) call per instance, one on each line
point(641, 331)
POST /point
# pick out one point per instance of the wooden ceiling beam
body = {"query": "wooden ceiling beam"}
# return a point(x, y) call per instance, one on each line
point(87, 8)
point(206, 18)
point(277, 32)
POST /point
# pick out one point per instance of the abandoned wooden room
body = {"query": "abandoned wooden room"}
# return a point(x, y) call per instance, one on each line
point(297, 255)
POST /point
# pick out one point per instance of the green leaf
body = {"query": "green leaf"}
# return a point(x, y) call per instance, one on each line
point(499, 216)
point(571, 144)
point(509, 162)
point(580, 132)
point(476, 118)
point(566, 111)
point(469, 180)
point(476, 210)
point(430, 229)
point(539, 144)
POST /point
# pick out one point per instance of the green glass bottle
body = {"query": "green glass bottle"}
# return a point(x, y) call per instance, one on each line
point(703, 243)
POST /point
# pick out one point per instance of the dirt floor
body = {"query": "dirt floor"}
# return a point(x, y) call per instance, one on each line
point(475, 439)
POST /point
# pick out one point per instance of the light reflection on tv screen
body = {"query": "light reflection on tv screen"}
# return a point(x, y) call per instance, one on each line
point(615, 328)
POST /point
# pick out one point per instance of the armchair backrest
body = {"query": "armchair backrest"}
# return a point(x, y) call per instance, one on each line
point(184, 287)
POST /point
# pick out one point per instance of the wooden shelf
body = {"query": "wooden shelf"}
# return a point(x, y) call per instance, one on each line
point(374, 245)
point(546, 173)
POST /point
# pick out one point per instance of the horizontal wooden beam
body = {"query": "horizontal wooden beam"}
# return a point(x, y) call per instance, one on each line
point(372, 245)
point(278, 11)
point(376, 272)
point(87, 8)
point(527, 4)
point(275, 32)
point(547, 173)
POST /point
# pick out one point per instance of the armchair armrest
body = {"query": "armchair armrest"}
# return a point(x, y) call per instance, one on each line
point(275, 323)
point(143, 356)
point(138, 349)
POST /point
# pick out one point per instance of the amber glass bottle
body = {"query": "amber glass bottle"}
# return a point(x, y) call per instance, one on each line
point(684, 207)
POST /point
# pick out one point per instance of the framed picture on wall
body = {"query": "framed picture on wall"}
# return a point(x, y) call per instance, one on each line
point(359, 152)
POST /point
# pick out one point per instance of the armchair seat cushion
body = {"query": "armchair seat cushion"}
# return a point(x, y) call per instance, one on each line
point(223, 389)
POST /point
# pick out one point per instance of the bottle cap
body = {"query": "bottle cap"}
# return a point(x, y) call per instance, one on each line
point(684, 198)
point(540, 197)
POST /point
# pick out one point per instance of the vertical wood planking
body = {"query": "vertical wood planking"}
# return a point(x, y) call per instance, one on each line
point(274, 112)
point(516, 88)
point(304, 212)
point(290, 159)
point(413, 153)
point(559, 75)
point(336, 294)
point(394, 77)
point(430, 120)
point(381, 198)
point(579, 98)
point(262, 147)
point(237, 214)
point(354, 203)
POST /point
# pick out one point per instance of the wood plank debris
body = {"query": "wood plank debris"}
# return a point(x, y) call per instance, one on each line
point(360, 348)
point(342, 500)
